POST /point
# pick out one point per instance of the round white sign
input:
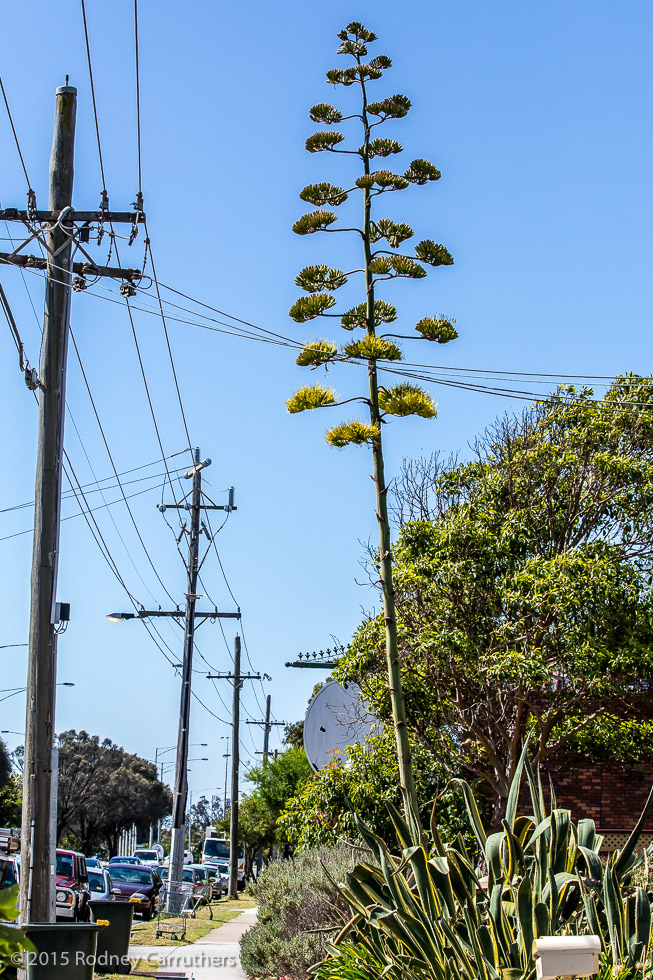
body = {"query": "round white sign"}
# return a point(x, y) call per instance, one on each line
point(336, 718)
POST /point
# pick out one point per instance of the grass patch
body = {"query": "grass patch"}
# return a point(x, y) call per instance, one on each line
point(144, 933)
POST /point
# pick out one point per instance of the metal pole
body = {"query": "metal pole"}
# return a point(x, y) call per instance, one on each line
point(180, 790)
point(226, 773)
point(266, 729)
point(233, 822)
point(37, 859)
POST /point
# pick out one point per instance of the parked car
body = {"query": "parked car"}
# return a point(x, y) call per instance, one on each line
point(124, 860)
point(209, 876)
point(93, 862)
point(135, 882)
point(72, 892)
point(100, 885)
point(148, 857)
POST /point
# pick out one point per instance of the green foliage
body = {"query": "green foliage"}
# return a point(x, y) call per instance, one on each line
point(373, 348)
point(440, 329)
point(103, 789)
point(407, 399)
point(357, 316)
point(323, 141)
point(323, 812)
point(434, 916)
point(427, 251)
point(394, 232)
point(313, 396)
point(382, 148)
point(323, 193)
point(394, 107)
point(309, 307)
point(394, 266)
point(12, 939)
point(352, 433)
point(325, 113)
point(299, 909)
point(403, 266)
point(317, 353)
point(11, 795)
point(421, 172)
point(5, 764)
point(314, 278)
point(523, 592)
point(314, 221)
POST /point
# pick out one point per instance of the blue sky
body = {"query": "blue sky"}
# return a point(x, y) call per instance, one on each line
point(538, 117)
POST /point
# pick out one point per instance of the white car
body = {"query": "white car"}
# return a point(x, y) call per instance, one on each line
point(100, 884)
point(148, 857)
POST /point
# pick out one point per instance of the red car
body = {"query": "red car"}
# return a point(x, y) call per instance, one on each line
point(72, 893)
point(137, 883)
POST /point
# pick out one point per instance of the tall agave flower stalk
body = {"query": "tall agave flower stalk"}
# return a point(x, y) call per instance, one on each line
point(382, 261)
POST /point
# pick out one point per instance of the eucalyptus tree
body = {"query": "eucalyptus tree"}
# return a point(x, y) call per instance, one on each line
point(383, 260)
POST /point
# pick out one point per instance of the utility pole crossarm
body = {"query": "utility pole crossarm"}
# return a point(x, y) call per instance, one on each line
point(232, 677)
point(115, 217)
point(79, 268)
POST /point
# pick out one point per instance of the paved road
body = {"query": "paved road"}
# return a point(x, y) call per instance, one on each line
point(215, 957)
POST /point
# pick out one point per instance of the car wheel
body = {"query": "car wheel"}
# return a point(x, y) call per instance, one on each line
point(149, 912)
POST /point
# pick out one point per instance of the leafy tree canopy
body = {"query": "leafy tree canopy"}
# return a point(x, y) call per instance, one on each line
point(103, 789)
point(524, 591)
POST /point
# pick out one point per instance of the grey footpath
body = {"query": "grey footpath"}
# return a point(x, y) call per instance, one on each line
point(214, 957)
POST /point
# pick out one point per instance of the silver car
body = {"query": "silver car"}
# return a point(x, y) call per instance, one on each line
point(100, 884)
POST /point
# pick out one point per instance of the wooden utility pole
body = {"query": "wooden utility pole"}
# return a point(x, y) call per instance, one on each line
point(237, 678)
point(267, 728)
point(235, 762)
point(66, 228)
point(180, 790)
point(37, 848)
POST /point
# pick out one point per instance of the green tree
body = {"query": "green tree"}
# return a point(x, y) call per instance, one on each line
point(325, 810)
point(103, 790)
point(525, 605)
point(379, 264)
point(11, 799)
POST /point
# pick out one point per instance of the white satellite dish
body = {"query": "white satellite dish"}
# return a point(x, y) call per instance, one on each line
point(336, 718)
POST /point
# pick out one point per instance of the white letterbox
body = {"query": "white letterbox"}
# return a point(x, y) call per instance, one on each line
point(567, 956)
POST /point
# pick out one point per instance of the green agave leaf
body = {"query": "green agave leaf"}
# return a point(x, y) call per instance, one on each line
point(439, 870)
point(472, 812)
point(625, 855)
point(493, 855)
point(592, 862)
point(535, 789)
point(560, 832)
point(542, 920)
point(525, 915)
point(587, 833)
point(642, 920)
point(400, 825)
point(515, 786)
point(613, 914)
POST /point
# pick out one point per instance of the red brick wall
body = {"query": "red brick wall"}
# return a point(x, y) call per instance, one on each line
point(613, 796)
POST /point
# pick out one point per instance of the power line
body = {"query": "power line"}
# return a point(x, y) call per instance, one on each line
point(30, 192)
point(115, 470)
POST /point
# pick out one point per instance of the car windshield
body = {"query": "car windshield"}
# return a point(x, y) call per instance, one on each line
point(201, 873)
point(133, 876)
point(223, 868)
point(65, 865)
point(121, 860)
point(146, 855)
point(96, 881)
point(216, 848)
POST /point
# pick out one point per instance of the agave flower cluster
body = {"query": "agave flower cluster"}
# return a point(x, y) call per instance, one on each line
point(381, 239)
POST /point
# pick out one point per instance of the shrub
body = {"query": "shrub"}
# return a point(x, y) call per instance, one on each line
point(300, 909)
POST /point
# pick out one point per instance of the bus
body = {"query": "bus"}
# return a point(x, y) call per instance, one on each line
point(216, 851)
